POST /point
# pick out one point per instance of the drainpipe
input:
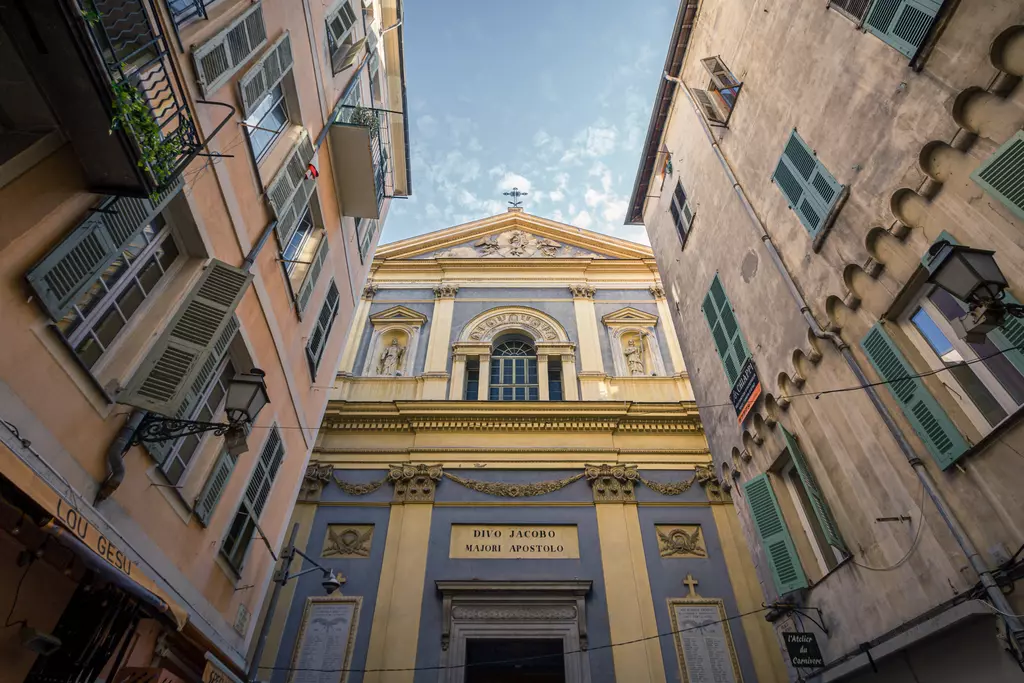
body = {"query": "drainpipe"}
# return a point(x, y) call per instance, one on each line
point(115, 456)
point(1014, 624)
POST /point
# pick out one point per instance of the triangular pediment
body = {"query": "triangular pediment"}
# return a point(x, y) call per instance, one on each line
point(398, 314)
point(629, 316)
point(513, 235)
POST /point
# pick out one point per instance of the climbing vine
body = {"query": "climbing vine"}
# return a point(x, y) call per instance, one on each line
point(133, 115)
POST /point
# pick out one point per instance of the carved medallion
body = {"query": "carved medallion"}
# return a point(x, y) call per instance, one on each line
point(347, 540)
point(681, 540)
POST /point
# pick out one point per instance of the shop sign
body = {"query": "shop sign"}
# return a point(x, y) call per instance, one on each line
point(90, 535)
point(746, 390)
point(803, 650)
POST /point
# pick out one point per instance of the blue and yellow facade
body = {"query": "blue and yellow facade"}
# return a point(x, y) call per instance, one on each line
point(587, 512)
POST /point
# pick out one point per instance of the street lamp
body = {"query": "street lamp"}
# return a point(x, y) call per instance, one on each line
point(246, 397)
point(973, 277)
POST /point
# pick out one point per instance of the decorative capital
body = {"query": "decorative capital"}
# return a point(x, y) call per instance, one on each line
point(446, 291)
point(313, 481)
point(657, 291)
point(370, 290)
point(708, 480)
point(613, 483)
point(582, 291)
point(414, 483)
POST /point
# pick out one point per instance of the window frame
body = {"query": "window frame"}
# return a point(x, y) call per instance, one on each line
point(809, 524)
point(679, 210)
point(715, 107)
point(336, 45)
point(952, 385)
point(555, 378)
point(88, 322)
point(279, 101)
point(498, 364)
point(246, 506)
point(838, 7)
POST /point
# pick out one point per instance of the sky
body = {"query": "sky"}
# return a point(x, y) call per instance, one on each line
point(550, 96)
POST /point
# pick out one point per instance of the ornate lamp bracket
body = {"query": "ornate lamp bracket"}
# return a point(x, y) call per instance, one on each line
point(157, 428)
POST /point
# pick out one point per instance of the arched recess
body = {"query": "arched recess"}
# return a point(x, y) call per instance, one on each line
point(1008, 51)
point(531, 322)
point(814, 347)
point(888, 249)
point(986, 114)
point(771, 410)
point(786, 389)
point(801, 365)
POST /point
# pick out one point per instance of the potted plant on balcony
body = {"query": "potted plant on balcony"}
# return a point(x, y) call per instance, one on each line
point(362, 116)
point(132, 113)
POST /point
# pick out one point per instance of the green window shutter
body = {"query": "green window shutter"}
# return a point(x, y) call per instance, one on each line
point(161, 449)
point(903, 24)
point(1002, 174)
point(72, 267)
point(258, 490)
point(821, 508)
point(322, 329)
point(179, 356)
point(289, 192)
point(808, 187)
point(721, 319)
point(220, 57)
point(928, 419)
point(214, 487)
point(316, 267)
point(265, 74)
point(771, 528)
point(1009, 335)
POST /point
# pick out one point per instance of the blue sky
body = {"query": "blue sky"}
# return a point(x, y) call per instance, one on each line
point(552, 96)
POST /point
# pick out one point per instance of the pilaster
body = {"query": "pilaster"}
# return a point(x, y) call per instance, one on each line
point(542, 377)
point(570, 389)
point(586, 325)
point(355, 332)
point(435, 368)
point(675, 352)
point(485, 376)
point(458, 379)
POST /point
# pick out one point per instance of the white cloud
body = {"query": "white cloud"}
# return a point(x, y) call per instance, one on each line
point(426, 125)
point(556, 195)
point(614, 210)
point(510, 180)
point(597, 140)
point(557, 215)
point(582, 219)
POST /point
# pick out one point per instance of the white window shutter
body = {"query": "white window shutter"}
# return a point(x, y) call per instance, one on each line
point(162, 382)
point(290, 190)
point(706, 105)
point(214, 487)
point(220, 57)
point(720, 74)
point(264, 76)
point(340, 21)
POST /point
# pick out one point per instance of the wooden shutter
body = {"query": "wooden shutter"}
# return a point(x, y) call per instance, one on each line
point(1002, 174)
point(214, 487)
point(61, 277)
point(783, 560)
point(207, 373)
point(265, 74)
point(928, 419)
point(316, 266)
point(219, 58)
point(807, 185)
point(289, 192)
point(162, 382)
point(721, 319)
point(720, 74)
point(903, 24)
point(258, 491)
point(322, 329)
point(706, 105)
point(821, 509)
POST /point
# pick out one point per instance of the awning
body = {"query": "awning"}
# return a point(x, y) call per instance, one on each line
point(74, 530)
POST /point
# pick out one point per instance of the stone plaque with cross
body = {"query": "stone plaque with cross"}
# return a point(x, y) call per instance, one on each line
point(704, 644)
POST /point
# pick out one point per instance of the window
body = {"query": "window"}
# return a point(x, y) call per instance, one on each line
point(102, 312)
point(989, 389)
point(340, 36)
point(721, 319)
point(366, 230)
point(682, 217)
point(554, 380)
point(810, 190)
point(294, 250)
point(855, 9)
point(220, 57)
point(513, 372)
point(266, 123)
point(472, 379)
point(236, 543)
point(902, 24)
point(1002, 174)
point(317, 342)
point(215, 484)
point(783, 561)
point(718, 100)
point(929, 420)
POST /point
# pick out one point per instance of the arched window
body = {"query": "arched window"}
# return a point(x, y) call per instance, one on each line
point(513, 371)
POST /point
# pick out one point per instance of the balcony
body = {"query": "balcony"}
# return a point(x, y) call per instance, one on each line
point(361, 159)
point(105, 69)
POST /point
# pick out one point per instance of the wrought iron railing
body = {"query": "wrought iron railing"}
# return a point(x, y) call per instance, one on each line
point(147, 96)
point(184, 11)
point(377, 120)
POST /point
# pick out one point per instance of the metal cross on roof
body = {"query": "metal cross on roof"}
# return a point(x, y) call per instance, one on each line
point(515, 194)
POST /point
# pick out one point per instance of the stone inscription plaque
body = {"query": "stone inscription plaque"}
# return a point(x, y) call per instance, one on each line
point(325, 640)
point(514, 541)
point(703, 642)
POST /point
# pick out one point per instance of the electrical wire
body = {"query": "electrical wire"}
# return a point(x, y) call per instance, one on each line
point(519, 660)
point(996, 610)
point(14, 602)
point(913, 545)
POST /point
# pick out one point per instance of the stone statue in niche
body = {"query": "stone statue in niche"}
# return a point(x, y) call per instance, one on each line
point(390, 358)
point(634, 358)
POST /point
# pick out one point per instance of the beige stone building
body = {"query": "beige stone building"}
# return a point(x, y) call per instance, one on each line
point(188, 189)
point(801, 161)
point(513, 482)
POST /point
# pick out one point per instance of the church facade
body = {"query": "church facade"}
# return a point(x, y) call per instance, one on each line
point(512, 483)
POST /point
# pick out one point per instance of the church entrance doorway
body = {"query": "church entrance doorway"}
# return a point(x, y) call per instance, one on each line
point(534, 660)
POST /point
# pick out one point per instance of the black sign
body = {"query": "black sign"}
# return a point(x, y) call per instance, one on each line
point(746, 390)
point(803, 650)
